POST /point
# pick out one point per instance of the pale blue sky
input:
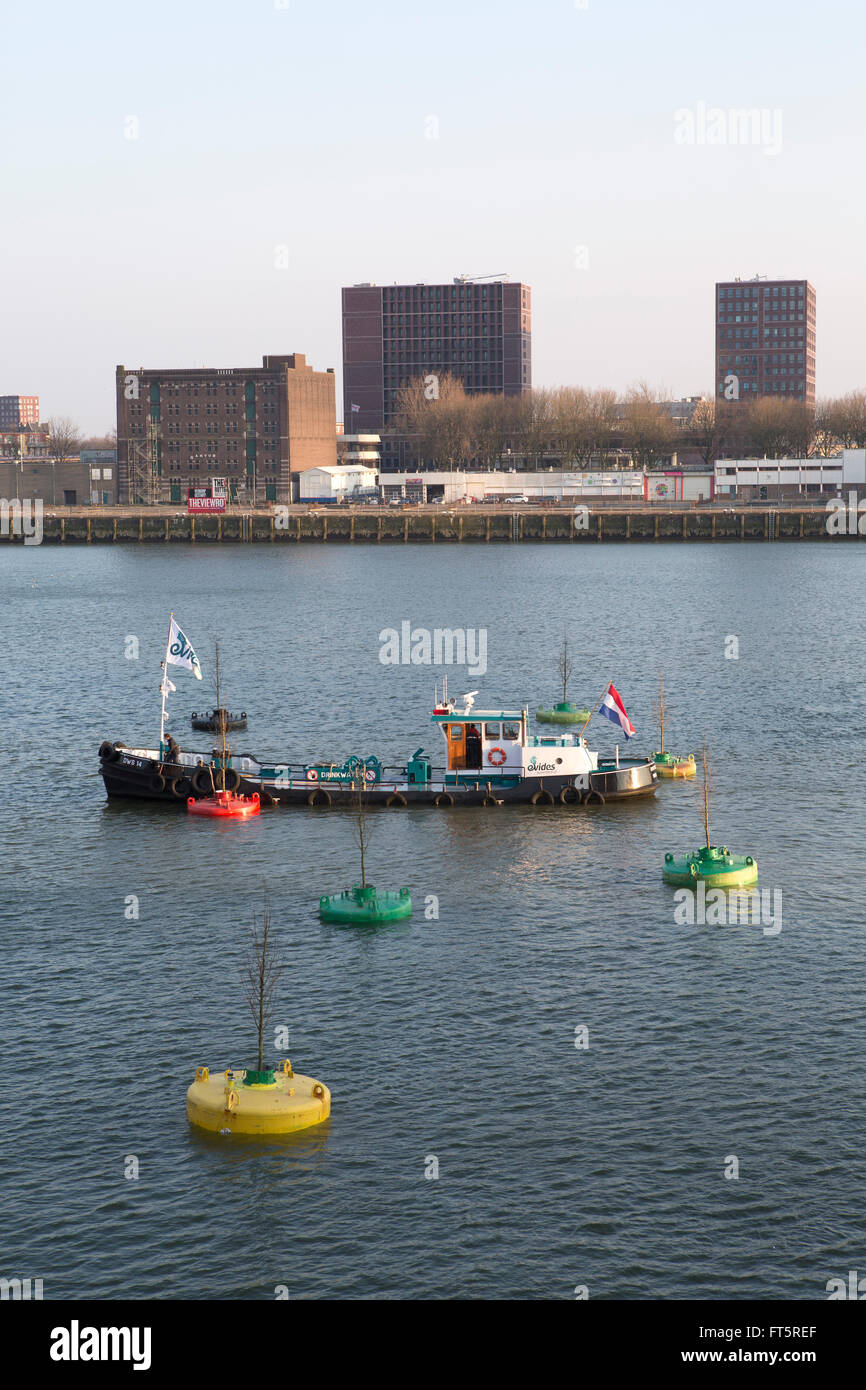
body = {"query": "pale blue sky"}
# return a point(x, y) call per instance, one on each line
point(307, 127)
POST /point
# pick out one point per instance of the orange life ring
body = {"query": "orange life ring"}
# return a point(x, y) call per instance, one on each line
point(496, 756)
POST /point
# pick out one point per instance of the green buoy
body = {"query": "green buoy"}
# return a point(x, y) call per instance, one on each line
point(712, 865)
point(362, 905)
point(563, 713)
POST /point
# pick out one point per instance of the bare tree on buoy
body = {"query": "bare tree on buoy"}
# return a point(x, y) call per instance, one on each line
point(565, 667)
point(362, 904)
point(262, 972)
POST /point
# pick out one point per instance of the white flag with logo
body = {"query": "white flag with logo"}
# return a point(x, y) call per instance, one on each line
point(180, 653)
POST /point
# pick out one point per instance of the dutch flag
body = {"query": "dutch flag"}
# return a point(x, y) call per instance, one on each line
point(613, 709)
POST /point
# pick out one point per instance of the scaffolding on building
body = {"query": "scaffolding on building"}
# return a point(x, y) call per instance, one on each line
point(143, 466)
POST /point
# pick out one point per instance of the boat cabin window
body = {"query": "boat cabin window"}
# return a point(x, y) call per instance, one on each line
point(511, 731)
point(491, 731)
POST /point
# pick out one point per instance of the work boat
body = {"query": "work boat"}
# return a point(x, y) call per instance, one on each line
point(489, 758)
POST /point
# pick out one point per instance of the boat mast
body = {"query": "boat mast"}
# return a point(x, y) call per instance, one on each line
point(361, 821)
point(222, 721)
point(163, 689)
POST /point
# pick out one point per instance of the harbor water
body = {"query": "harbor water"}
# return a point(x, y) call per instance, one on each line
point(545, 1082)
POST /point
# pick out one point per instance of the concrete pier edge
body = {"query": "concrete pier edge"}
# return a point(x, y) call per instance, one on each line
point(437, 525)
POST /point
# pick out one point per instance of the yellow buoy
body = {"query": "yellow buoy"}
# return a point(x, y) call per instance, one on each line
point(671, 765)
point(256, 1102)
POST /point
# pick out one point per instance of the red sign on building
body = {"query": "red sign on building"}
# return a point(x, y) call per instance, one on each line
point(201, 499)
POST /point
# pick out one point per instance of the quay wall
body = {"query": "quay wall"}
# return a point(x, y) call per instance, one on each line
point(437, 526)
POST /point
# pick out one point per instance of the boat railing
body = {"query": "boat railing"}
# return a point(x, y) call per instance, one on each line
point(394, 776)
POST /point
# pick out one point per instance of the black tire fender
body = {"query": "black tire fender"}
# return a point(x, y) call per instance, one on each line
point(201, 781)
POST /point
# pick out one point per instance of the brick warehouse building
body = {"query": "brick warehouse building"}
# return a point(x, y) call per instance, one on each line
point(765, 337)
point(257, 427)
point(393, 334)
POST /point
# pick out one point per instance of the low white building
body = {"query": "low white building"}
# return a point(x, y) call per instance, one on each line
point(336, 482)
point(757, 479)
point(552, 486)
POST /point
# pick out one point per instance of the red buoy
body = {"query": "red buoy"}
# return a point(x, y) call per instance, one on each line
point(224, 805)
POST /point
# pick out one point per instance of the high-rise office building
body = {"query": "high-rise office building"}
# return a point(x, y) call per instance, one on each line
point(478, 330)
point(765, 339)
point(255, 427)
point(17, 411)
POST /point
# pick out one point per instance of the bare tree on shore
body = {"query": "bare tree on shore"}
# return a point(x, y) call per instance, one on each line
point(648, 431)
point(66, 438)
point(108, 440)
point(778, 428)
point(451, 428)
point(845, 417)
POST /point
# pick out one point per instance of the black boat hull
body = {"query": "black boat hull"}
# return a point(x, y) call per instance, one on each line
point(129, 776)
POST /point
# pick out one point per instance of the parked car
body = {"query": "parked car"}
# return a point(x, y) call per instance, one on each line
point(517, 497)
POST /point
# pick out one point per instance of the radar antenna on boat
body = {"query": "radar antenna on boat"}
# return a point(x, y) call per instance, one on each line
point(469, 700)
